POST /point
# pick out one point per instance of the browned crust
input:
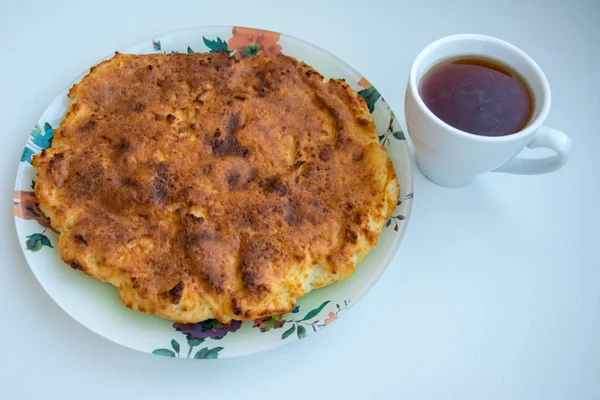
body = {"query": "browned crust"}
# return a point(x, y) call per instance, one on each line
point(205, 187)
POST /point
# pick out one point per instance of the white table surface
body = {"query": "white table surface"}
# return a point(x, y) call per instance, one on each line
point(494, 294)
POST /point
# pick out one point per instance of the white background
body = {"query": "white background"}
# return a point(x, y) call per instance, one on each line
point(494, 294)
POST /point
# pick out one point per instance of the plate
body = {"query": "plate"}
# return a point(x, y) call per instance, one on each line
point(97, 306)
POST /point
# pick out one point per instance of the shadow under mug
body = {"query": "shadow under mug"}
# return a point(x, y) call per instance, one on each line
point(454, 158)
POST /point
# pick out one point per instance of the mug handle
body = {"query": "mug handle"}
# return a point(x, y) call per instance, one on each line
point(546, 137)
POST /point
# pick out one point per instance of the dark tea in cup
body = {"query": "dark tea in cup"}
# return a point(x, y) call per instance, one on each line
point(477, 95)
point(468, 114)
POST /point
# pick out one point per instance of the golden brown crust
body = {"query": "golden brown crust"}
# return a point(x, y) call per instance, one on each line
point(205, 187)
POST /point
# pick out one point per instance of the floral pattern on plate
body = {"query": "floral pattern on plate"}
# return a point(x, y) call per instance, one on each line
point(196, 334)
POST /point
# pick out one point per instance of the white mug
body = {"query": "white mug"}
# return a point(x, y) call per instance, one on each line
point(454, 158)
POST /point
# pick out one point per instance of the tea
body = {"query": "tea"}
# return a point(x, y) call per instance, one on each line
point(477, 95)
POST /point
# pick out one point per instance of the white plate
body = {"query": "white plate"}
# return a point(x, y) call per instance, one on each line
point(97, 306)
